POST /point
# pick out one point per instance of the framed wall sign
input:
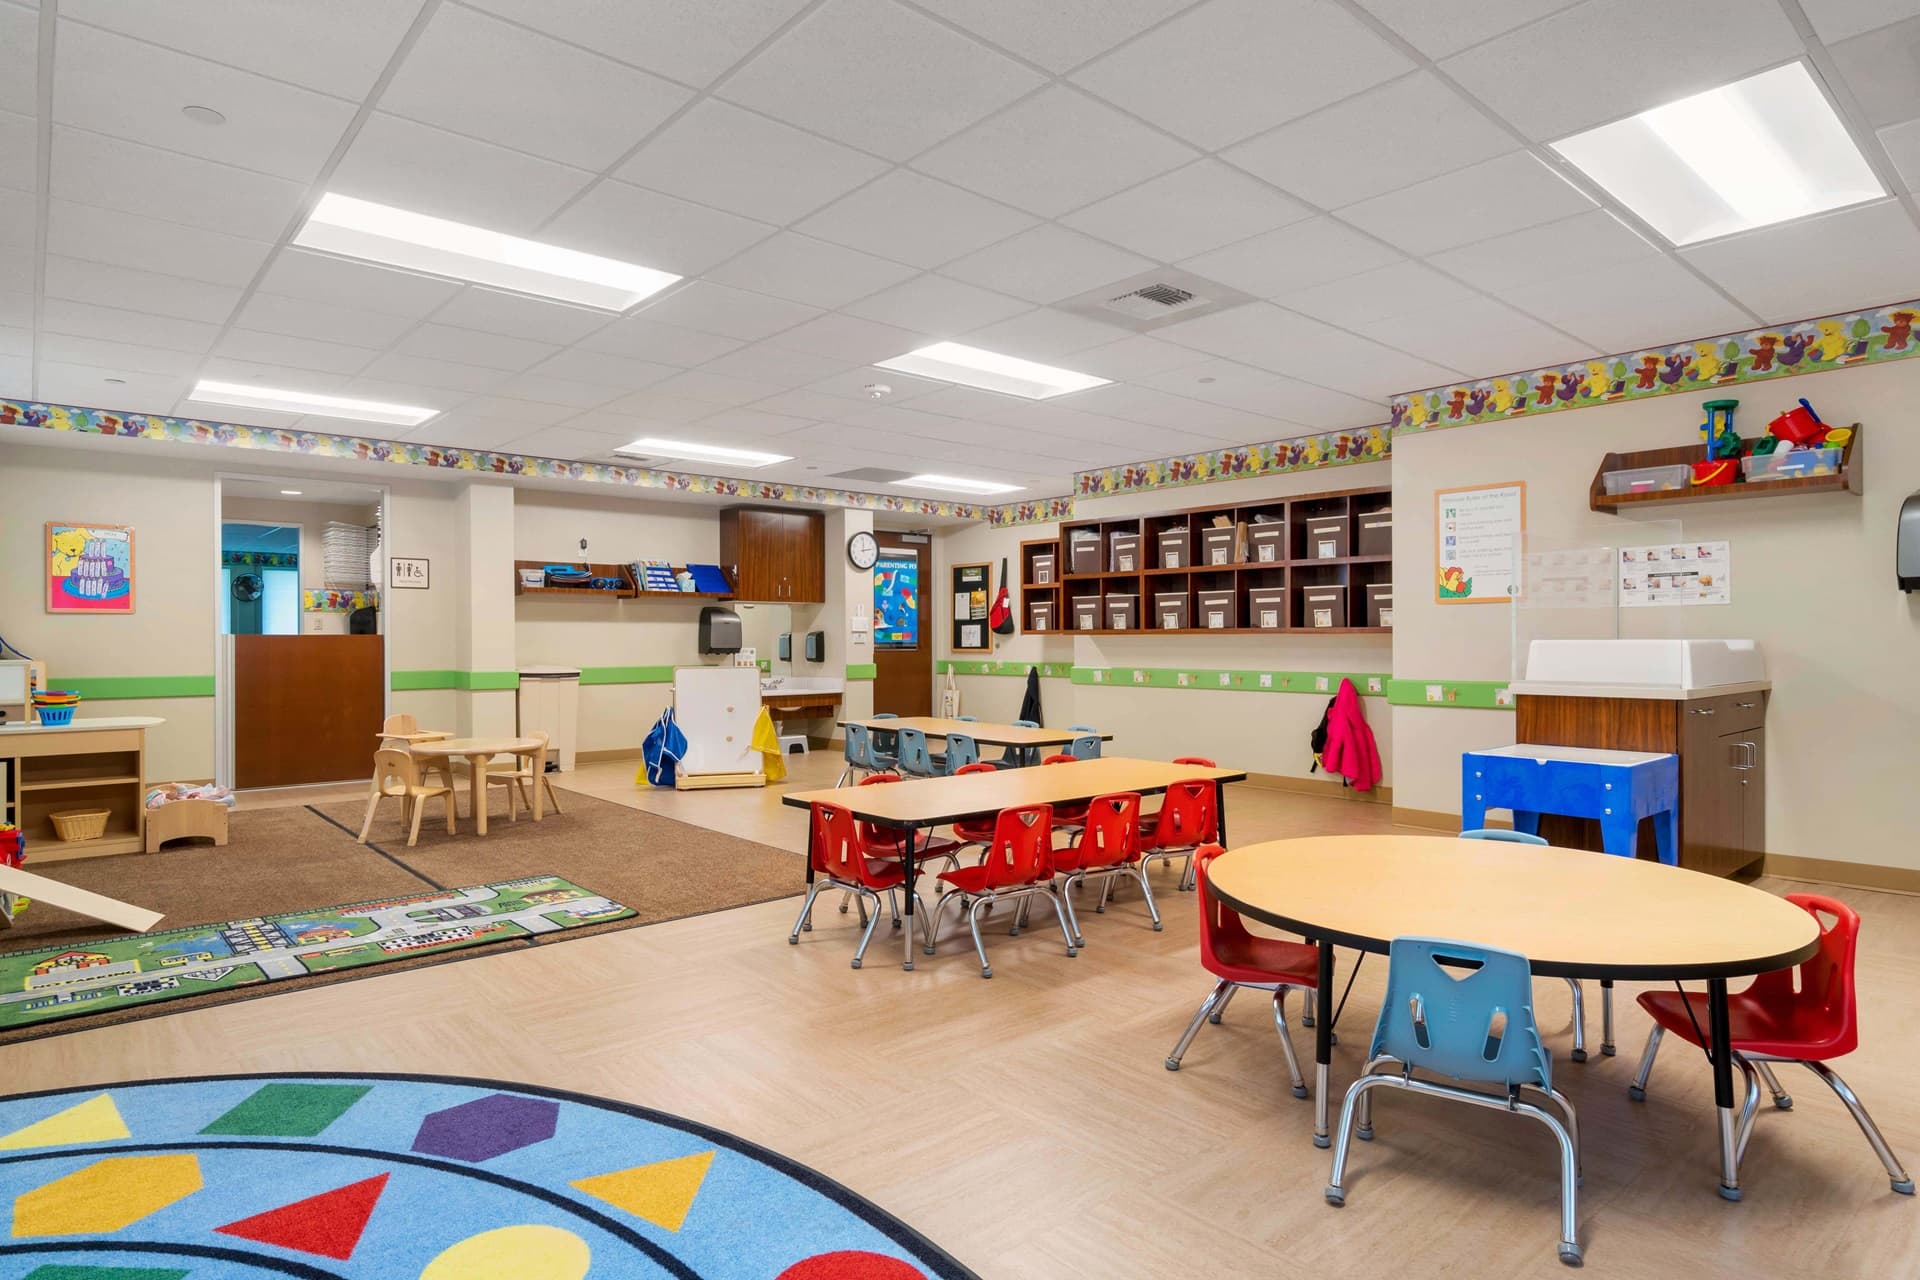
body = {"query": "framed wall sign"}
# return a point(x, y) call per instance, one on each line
point(1476, 542)
point(89, 568)
point(410, 571)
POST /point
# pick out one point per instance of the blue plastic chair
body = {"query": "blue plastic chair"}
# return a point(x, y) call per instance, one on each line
point(1465, 1012)
point(916, 761)
point(861, 755)
point(1085, 747)
point(961, 750)
point(968, 719)
point(1579, 994)
point(885, 742)
point(1016, 757)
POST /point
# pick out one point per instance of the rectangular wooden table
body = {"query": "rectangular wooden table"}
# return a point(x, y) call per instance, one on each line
point(925, 803)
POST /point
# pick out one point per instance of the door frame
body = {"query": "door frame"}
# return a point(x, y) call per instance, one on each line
point(892, 539)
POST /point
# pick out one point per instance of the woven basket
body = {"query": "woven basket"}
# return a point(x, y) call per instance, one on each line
point(79, 824)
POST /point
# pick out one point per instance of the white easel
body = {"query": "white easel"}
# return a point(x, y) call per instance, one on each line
point(716, 708)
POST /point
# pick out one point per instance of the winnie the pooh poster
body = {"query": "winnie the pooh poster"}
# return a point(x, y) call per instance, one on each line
point(89, 568)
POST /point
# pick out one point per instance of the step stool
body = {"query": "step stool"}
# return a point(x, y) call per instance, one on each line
point(793, 743)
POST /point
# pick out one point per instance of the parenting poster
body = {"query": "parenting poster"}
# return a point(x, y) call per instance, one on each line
point(896, 600)
point(89, 568)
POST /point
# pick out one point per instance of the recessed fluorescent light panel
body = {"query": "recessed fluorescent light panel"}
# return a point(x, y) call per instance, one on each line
point(959, 484)
point(991, 371)
point(692, 451)
point(1749, 154)
point(251, 397)
point(400, 238)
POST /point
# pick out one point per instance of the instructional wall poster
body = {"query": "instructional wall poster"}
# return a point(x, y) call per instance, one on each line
point(896, 599)
point(1569, 578)
point(1476, 542)
point(1676, 573)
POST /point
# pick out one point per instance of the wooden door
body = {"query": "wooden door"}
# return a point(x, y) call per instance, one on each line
point(305, 708)
point(903, 678)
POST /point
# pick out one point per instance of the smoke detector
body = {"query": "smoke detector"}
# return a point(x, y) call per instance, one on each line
point(1155, 298)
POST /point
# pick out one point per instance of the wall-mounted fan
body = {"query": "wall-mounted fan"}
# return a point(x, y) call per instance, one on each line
point(247, 587)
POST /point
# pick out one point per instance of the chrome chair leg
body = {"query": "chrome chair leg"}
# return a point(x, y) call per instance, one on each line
point(1065, 892)
point(1606, 1019)
point(1782, 1100)
point(1220, 1010)
point(804, 921)
point(1063, 912)
point(1579, 1021)
point(1286, 1040)
point(1106, 887)
point(933, 921)
point(1364, 1115)
point(1146, 891)
point(1573, 1130)
point(872, 923)
point(979, 943)
point(846, 900)
point(893, 905)
point(1638, 1089)
point(860, 901)
point(1896, 1175)
point(1749, 1106)
point(1214, 997)
point(1343, 1139)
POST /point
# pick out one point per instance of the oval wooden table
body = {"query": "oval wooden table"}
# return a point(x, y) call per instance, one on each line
point(1572, 913)
point(477, 752)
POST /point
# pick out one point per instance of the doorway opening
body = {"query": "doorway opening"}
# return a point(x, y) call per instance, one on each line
point(902, 642)
point(262, 575)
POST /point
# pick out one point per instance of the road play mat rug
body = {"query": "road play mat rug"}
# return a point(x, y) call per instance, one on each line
point(398, 1177)
point(95, 977)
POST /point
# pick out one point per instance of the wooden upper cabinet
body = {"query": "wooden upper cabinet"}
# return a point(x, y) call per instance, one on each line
point(774, 555)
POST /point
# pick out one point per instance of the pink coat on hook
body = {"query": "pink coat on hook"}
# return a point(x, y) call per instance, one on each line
point(1351, 751)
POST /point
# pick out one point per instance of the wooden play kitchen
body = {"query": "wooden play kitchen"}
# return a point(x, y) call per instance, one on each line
point(87, 776)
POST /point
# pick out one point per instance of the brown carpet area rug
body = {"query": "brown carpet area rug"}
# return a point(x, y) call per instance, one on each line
point(284, 860)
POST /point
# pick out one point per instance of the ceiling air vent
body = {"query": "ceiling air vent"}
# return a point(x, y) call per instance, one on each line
point(1155, 298)
point(1155, 301)
point(872, 475)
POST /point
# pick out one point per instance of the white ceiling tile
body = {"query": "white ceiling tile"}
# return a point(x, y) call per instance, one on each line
point(874, 75)
point(1440, 27)
point(1477, 336)
point(17, 340)
point(116, 174)
point(722, 390)
point(1134, 357)
point(1629, 304)
point(875, 443)
point(691, 41)
point(729, 158)
point(1598, 61)
point(1554, 249)
point(401, 162)
point(129, 240)
point(1060, 34)
point(19, 212)
point(957, 402)
point(62, 382)
point(564, 442)
point(463, 429)
point(1045, 334)
point(339, 47)
point(16, 309)
point(850, 339)
point(19, 59)
point(16, 378)
point(1231, 68)
point(116, 357)
point(1258, 391)
point(659, 406)
point(1385, 291)
point(1188, 212)
point(541, 387)
point(1056, 151)
point(489, 79)
point(781, 367)
point(19, 151)
point(641, 337)
point(296, 353)
point(305, 318)
point(17, 271)
point(853, 384)
point(652, 229)
point(106, 285)
point(271, 127)
point(911, 218)
point(742, 424)
point(1170, 412)
point(319, 277)
point(1378, 141)
point(517, 316)
point(1879, 68)
point(937, 306)
point(577, 365)
point(1504, 194)
point(814, 406)
point(1837, 20)
point(1818, 265)
point(438, 374)
point(731, 313)
point(227, 369)
point(816, 272)
point(509, 409)
point(85, 320)
point(1295, 257)
point(1902, 142)
point(1047, 264)
point(469, 346)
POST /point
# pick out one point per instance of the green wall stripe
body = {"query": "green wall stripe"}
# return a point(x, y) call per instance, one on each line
point(1047, 670)
point(1370, 684)
point(862, 671)
point(475, 680)
point(107, 688)
point(626, 675)
point(1475, 695)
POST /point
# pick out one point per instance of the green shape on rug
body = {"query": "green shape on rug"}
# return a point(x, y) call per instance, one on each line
point(289, 1110)
point(58, 1271)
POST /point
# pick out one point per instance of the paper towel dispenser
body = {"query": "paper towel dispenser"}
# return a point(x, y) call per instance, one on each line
point(1906, 551)
point(816, 646)
point(719, 630)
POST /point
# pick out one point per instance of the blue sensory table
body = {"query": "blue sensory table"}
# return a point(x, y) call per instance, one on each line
point(1617, 787)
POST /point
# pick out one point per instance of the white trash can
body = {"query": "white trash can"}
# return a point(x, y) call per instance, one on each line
point(550, 704)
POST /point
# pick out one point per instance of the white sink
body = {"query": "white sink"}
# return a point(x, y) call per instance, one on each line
point(1679, 665)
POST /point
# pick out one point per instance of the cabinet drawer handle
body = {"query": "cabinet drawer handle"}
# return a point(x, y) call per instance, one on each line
point(1746, 706)
point(1700, 711)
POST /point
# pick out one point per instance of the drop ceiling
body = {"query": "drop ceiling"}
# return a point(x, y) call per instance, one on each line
point(841, 181)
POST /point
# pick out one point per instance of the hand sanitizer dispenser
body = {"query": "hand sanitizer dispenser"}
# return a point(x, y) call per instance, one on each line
point(1906, 552)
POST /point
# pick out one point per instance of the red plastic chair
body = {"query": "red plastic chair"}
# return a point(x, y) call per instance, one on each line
point(1239, 958)
point(1806, 1015)
point(840, 862)
point(1018, 866)
point(1069, 816)
point(975, 831)
point(1188, 818)
point(1108, 847)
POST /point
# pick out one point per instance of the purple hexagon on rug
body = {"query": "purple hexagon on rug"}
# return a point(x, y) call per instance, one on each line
point(486, 1127)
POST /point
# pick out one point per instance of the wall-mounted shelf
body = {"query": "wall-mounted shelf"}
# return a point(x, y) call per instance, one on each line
point(1847, 479)
point(627, 590)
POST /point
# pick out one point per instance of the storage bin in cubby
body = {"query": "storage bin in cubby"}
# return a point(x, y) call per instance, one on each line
point(1373, 534)
point(1323, 608)
point(1040, 615)
point(1267, 543)
point(1170, 610)
point(1215, 610)
point(1123, 553)
point(1216, 546)
point(1123, 612)
point(1176, 549)
point(1380, 604)
point(1042, 569)
point(1267, 608)
point(1083, 551)
point(1086, 613)
point(1326, 537)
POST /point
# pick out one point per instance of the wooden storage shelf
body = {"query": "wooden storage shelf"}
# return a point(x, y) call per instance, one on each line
point(63, 784)
point(628, 590)
point(1847, 479)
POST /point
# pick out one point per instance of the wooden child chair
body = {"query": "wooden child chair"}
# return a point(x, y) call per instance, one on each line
point(402, 729)
point(397, 774)
point(528, 768)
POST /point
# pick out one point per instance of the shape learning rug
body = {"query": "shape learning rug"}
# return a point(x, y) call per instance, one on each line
point(398, 1177)
point(113, 973)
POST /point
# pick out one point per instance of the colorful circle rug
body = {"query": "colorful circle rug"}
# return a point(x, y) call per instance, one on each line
point(326, 1177)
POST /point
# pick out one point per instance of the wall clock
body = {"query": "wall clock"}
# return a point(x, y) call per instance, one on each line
point(863, 551)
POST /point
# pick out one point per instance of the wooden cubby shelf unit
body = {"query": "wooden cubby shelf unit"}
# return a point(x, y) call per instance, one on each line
point(1274, 578)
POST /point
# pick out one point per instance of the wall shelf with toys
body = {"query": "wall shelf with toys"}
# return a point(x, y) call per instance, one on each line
point(1798, 455)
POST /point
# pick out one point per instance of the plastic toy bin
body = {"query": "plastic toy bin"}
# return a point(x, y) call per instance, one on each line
point(1648, 479)
point(1791, 466)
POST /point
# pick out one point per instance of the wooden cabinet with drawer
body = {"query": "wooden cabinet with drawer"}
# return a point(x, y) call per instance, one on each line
point(775, 555)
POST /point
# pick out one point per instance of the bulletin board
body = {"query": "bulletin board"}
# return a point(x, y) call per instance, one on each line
point(972, 590)
point(1477, 534)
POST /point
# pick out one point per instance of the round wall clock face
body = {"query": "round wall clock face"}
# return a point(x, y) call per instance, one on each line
point(863, 552)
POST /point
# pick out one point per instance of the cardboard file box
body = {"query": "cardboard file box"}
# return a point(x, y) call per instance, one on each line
point(1043, 569)
point(1216, 546)
point(1123, 612)
point(1267, 543)
point(1216, 610)
point(1123, 553)
point(1176, 548)
point(1380, 604)
point(1267, 608)
point(1086, 613)
point(1323, 607)
point(1326, 537)
point(1375, 536)
point(1040, 615)
point(1170, 610)
point(1083, 551)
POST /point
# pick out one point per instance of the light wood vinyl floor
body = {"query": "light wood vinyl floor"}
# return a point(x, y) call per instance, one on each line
point(1027, 1123)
